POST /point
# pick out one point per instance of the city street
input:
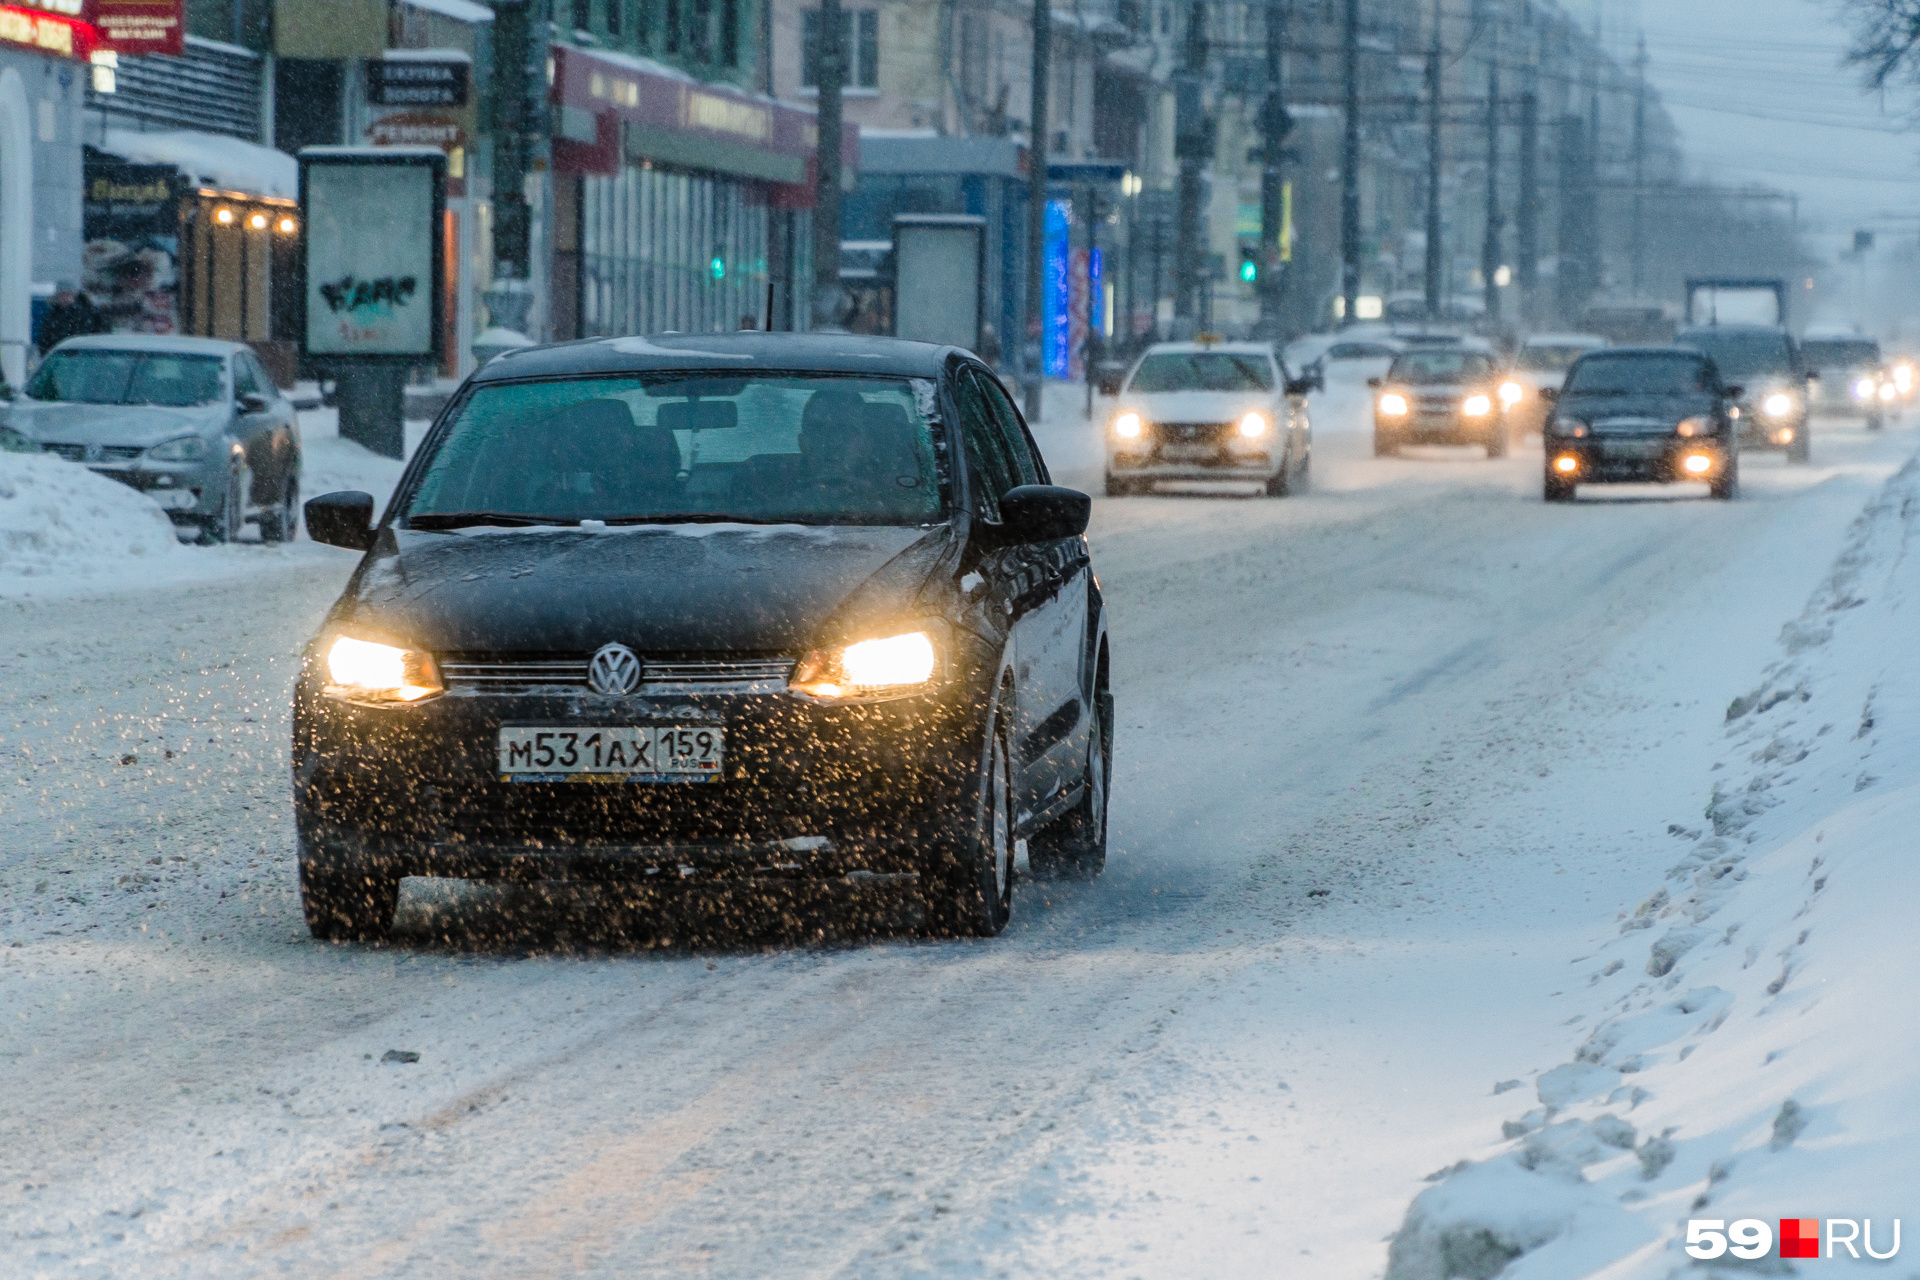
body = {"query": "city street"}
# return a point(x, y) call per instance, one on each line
point(1390, 755)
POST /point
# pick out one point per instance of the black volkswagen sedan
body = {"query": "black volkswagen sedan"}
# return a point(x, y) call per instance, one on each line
point(744, 605)
point(1639, 414)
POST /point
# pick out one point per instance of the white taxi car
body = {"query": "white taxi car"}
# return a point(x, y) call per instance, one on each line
point(1209, 410)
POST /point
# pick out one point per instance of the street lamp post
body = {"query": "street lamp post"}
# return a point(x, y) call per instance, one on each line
point(829, 297)
point(1032, 348)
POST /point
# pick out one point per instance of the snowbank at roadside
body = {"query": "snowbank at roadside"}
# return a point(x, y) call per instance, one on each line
point(59, 520)
point(1747, 1049)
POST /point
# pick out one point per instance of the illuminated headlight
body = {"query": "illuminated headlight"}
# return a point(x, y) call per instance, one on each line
point(1253, 426)
point(1777, 405)
point(1566, 464)
point(1568, 427)
point(1863, 389)
point(1511, 393)
point(1694, 427)
point(890, 667)
point(1888, 391)
point(1903, 377)
point(1127, 426)
point(366, 671)
point(184, 449)
point(1784, 435)
point(1477, 406)
point(1697, 464)
point(1393, 405)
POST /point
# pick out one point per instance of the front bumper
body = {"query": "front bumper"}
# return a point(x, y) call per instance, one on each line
point(804, 788)
point(187, 491)
point(1631, 459)
point(1212, 452)
point(1438, 428)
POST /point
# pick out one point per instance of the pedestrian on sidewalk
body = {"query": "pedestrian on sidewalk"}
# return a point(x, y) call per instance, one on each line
point(72, 315)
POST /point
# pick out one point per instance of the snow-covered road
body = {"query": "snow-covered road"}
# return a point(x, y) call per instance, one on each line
point(1389, 754)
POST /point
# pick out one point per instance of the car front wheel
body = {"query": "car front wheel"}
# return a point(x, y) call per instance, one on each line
point(225, 524)
point(345, 900)
point(971, 889)
point(282, 524)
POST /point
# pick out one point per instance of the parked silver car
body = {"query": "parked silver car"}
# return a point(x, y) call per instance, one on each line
point(195, 423)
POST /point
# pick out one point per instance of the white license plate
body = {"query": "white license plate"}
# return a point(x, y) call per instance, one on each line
point(617, 753)
point(1189, 452)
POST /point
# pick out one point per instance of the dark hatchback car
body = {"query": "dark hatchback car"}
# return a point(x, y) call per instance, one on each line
point(1640, 414)
point(739, 606)
point(1439, 395)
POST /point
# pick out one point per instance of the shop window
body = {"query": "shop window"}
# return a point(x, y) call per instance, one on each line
point(613, 16)
point(860, 40)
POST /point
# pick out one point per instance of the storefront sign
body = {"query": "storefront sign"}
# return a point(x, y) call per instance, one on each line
point(1056, 335)
point(411, 82)
point(138, 26)
point(372, 253)
point(131, 223)
point(45, 32)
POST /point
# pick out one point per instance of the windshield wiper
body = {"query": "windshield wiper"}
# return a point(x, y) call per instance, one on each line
point(468, 519)
point(692, 517)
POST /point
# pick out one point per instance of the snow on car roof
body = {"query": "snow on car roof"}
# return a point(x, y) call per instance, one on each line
point(154, 342)
point(741, 351)
point(1564, 340)
point(1188, 348)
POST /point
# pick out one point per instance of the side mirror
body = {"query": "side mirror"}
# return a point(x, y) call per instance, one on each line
point(1813, 375)
point(1043, 513)
point(1550, 394)
point(1733, 393)
point(1376, 383)
point(343, 519)
point(252, 402)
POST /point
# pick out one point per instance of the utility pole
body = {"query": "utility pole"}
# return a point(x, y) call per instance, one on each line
point(1350, 165)
point(1490, 241)
point(1275, 125)
point(1434, 258)
point(1639, 249)
point(1033, 358)
point(1193, 147)
point(1527, 209)
point(829, 299)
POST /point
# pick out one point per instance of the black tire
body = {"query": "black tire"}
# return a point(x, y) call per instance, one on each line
point(1556, 490)
point(1800, 448)
point(225, 525)
point(1875, 422)
point(1303, 478)
point(346, 901)
point(1074, 845)
point(1384, 446)
point(282, 524)
point(1497, 442)
point(1726, 486)
point(1117, 488)
point(1280, 484)
point(970, 889)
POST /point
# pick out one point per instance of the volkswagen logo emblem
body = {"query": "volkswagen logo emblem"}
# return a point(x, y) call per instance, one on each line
point(615, 670)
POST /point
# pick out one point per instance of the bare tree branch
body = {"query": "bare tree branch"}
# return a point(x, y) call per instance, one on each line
point(1886, 40)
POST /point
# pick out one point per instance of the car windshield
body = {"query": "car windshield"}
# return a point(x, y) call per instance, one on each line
point(1848, 353)
point(1550, 357)
point(1440, 366)
point(1203, 371)
point(97, 375)
point(1359, 351)
point(675, 447)
point(1741, 355)
point(1649, 374)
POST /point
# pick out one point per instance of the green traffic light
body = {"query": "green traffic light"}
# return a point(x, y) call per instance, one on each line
point(718, 267)
point(1249, 270)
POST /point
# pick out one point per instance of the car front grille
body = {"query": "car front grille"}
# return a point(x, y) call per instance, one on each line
point(489, 673)
point(1191, 432)
point(71, 452)
point(119, 452)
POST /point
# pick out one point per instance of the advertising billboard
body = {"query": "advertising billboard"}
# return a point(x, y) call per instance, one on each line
point(371, 253)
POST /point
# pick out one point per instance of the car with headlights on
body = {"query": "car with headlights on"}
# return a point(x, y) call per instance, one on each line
point(1854, 378)
point(194, 423)
point(727, 606)
point(1774, 413)
point(1540, 362)
point(1439, 394)
point(1630, 414)
point(1210, 411)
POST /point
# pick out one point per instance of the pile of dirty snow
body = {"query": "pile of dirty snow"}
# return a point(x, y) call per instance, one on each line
point(58, 520)
point(1747, 1049)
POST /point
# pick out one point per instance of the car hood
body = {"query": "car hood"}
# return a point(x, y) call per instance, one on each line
point(1198, 406)
point(658, 589)
point(1668, 409)
point(54, 422)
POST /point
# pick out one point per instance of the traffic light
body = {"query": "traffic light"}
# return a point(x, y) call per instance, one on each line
point(717, 265)
point(1249, 263)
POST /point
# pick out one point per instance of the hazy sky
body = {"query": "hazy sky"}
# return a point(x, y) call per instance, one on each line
point(1757, 89)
